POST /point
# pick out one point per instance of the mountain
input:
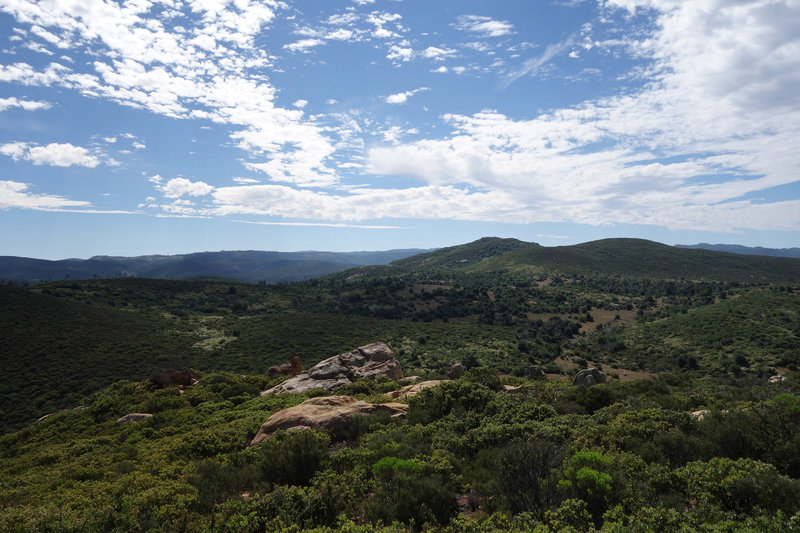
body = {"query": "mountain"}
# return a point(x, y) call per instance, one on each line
point(250, 266)
point(607, 257)
point(745, 250)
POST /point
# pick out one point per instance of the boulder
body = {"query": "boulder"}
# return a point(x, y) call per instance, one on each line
point(776, 379)
point(371, 361)
point(290, 368)
point(134, 417)
point(412, 390)
point(331, 413)
point(589, 377)
point(456, 371)
point(173, 378)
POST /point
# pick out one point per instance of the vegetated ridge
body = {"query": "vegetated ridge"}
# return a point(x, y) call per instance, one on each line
point(696, 429)
point(745, 250)
point(251, 266)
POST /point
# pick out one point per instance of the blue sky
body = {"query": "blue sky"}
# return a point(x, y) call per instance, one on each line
point(172, 126)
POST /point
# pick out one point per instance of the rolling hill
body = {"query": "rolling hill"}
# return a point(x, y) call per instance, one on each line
point(250, 266)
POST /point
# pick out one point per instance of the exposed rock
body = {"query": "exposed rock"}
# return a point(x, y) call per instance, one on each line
point(703, 414)
point(412, 390)
point(456, 371)
point(332, 413)
point(45, 417)
point(511, 388)
point(371, 361)
point(173, 378)
point(776, 379)
point(134, 417)
point(291, 368)
point(589, 377)
point(409, 379)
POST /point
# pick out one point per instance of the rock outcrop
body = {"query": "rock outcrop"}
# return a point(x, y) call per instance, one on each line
point(331, 413)
point(134, 417)
point(776, 379)
point(291, 368)
point(456, 371)
point(589, 377)
point(412, 390)
point(173, 378)
point(371, 361)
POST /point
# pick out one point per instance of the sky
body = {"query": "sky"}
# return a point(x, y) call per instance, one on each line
point(168, 126)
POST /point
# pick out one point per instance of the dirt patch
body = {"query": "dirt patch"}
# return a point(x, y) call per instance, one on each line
point(607, 316)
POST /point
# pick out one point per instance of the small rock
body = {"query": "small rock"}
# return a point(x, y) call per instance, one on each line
point(134, 417)
point(456, 371)
point(589, 377)
point(291, 368)
point(412, 390)
point(777, 379)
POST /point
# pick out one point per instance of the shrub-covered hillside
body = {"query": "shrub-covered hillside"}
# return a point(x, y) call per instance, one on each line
point(470, 456)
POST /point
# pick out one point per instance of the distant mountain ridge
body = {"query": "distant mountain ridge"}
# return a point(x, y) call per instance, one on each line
point(744, 250)
point(250, 266)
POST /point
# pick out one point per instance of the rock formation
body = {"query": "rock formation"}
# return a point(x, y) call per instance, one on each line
point(291, 368)
point(371, 361)
point(332, 413)
point(589, 377)
point(412, 390)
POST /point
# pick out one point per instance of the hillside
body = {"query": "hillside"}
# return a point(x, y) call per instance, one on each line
point(702, 402)
point(607, 257)
point(745, 250)
point(250, 266)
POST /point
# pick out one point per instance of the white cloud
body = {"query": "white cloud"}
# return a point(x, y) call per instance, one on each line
point(26, 105)
point(303, 45)
point(14, 194)
point(532, 65)
point(436, 53)
point(340, 34)
point(246, 181)
point(201, 70)
point(400, 53)
point(484, 26)
point(110, 140)
point(402, 97)
point(698, 147)
point(300, 104)
point(177, 187)
point(53, 154)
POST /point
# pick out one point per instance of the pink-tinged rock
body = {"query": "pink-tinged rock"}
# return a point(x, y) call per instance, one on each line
point(412, 390)
point(331, 413)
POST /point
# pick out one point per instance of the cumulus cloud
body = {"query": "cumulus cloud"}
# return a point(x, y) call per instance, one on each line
point(53, 154)
point(484, 26)
point(402, 97)
point(201, 70)
point(303, 45)
point(177, 187)
point(697, 147)
point(25, 105)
